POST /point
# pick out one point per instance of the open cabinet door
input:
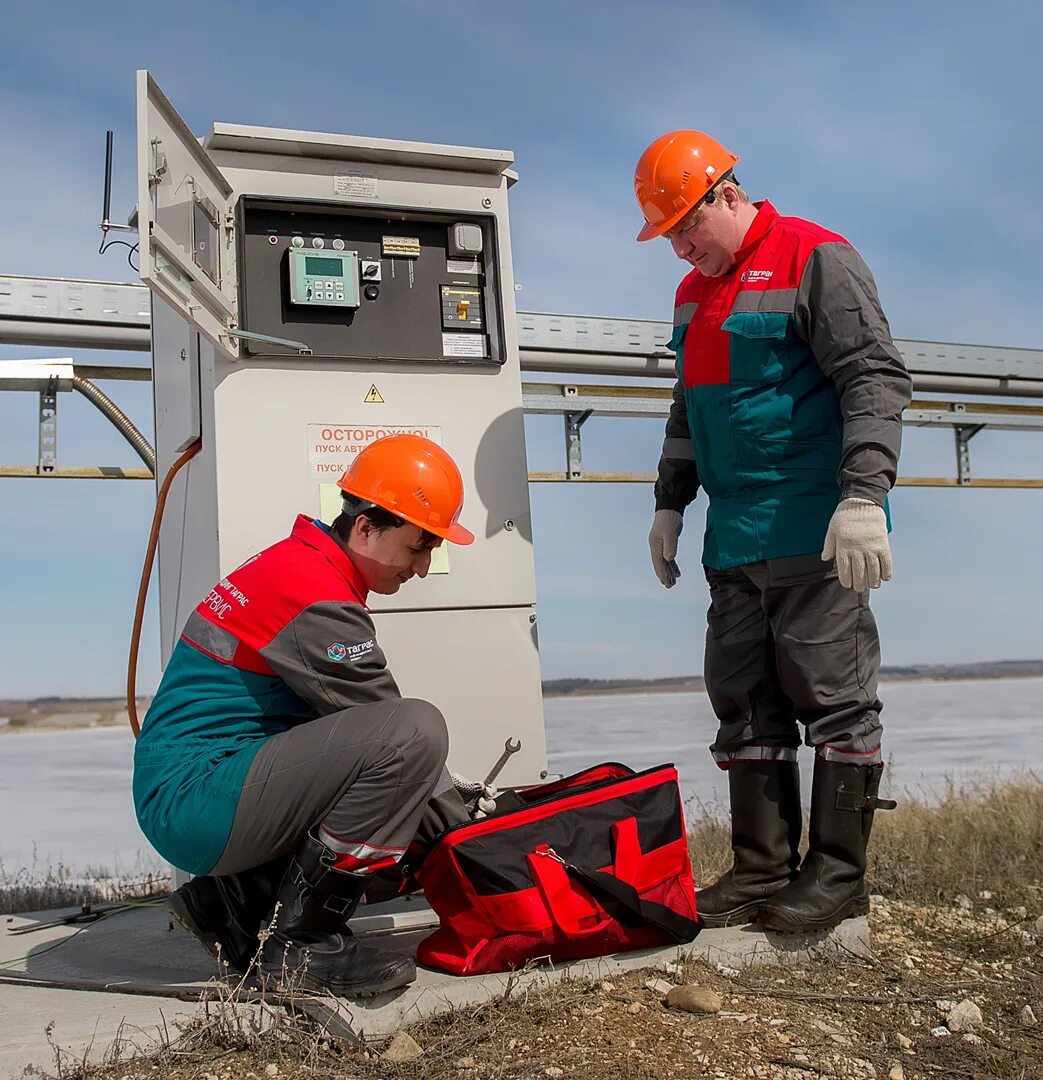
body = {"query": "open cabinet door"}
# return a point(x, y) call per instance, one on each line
point(186, 224)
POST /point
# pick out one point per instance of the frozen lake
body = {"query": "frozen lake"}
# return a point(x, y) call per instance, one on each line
point(65, 796)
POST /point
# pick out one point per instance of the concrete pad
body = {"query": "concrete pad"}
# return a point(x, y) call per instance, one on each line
point(84, 1025)
point(152, 970)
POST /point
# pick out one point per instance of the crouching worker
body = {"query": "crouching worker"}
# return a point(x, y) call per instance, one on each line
point(278, 760)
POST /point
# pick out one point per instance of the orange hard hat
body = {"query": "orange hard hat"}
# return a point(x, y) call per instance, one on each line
point(414, 479)
point(674, 174)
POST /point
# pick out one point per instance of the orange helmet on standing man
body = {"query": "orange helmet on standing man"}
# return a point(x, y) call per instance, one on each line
point(674, 174)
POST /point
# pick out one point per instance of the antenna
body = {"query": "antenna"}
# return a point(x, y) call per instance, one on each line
point(107, 195)
point(106, 201)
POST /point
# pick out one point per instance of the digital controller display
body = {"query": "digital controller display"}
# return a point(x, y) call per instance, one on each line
point(323, 267)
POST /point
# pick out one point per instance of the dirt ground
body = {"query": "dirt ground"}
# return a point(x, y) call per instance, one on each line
point(908, 1013)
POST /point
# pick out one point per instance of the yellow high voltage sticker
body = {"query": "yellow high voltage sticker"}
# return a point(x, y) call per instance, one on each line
point(373, 397)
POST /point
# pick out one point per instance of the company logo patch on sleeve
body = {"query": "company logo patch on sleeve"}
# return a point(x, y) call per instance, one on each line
point(337, 651)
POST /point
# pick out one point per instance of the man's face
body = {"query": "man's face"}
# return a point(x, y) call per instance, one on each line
point(709, 237)
point(388, 559)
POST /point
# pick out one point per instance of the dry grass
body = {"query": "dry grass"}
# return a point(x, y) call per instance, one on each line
point(932, 947)
point(981, 836)
point(31, 888)
point(852, 1018)
point(985, 835)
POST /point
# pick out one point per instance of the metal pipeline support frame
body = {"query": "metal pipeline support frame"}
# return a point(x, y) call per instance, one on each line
point(576, 403)
point(117, 315)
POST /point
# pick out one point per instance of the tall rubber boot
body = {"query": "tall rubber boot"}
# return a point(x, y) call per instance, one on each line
point(311, 942)
point(831, 884)
point(766, 826)
point(228, 911)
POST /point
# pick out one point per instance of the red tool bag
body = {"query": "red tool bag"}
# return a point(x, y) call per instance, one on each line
point(592, 864)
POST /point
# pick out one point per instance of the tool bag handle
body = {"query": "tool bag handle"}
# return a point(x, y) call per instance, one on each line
point(623, 903)
point(554, 876)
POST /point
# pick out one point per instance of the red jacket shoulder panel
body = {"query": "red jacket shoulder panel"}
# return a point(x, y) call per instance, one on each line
point(257, 599)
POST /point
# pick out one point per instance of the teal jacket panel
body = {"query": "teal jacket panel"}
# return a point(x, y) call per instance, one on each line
point(205, 725)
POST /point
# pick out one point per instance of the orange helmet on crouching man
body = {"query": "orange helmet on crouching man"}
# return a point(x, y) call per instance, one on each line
point(674, 175)
point(414, 479)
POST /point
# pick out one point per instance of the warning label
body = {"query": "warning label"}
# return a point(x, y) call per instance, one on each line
point(373, 397)
point(355, 184)
point(407, 246)
point(463, 346)
point(333, 447)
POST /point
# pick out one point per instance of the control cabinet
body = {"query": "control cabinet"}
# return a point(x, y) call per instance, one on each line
point(312, 293)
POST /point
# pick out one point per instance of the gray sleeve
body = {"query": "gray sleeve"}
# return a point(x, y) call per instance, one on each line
point(329, 656)
point(838, 314)
point(678, 482)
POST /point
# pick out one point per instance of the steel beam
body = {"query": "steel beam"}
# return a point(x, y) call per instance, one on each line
point(1003, 482)
point(117, 472)
point(115, 315)
point(78, 472)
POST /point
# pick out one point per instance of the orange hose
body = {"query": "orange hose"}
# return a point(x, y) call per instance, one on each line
point(146, 574)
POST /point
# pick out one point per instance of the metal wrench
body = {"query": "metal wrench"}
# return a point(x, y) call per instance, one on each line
point(509, 748)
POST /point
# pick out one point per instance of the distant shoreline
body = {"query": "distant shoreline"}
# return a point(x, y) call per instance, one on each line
point(78, 714)
point(695, 687)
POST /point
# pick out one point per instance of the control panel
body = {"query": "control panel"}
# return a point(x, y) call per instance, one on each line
point(358, 283)
point(326, 279)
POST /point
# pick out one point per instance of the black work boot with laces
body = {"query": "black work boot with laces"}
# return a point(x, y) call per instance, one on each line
point(766, 826)
point(311, 944)
point(831, 884)
point(228, 911)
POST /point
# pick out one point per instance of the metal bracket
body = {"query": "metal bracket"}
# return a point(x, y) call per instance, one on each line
point(267, 339)
point(573, 445)
point(963, 437)
point(48, 454)
point(159, 163)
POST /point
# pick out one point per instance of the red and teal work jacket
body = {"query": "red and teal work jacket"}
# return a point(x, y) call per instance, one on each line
point(789, 394)
point(281, 640)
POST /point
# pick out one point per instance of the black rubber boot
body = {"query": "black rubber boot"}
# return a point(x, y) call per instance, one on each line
point(766, 825)
point(228, 911)
point(311, 943)
point(831, 884)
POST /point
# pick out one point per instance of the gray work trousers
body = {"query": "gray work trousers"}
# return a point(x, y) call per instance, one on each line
point(786, 642)
point(361, 778)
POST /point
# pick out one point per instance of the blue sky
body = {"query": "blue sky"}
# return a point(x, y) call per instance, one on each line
point(910, 128)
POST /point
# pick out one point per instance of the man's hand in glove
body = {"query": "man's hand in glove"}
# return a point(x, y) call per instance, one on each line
point(474, 791)
point(662, 541)
point(857, 539)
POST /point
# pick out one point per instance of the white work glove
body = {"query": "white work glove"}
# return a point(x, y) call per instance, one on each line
point(662, 541)
point(857, 539)
point(471, 790)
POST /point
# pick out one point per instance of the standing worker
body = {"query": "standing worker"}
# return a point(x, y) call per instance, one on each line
point(278, 759)
point(787, 411)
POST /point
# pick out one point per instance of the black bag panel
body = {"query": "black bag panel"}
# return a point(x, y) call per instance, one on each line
point(496, 862)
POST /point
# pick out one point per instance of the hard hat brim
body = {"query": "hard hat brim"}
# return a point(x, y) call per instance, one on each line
point(650, 232)
point(456, 534)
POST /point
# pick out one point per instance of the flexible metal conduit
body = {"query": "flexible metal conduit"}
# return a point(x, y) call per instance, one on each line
point(119, 418)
